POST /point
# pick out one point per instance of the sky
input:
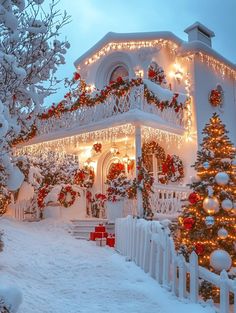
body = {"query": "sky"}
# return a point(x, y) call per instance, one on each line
point(92, 19)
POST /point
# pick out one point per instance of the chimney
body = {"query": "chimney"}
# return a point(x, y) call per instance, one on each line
point(199, 32)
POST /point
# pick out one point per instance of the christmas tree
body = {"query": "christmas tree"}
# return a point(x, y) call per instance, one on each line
point(208, 224)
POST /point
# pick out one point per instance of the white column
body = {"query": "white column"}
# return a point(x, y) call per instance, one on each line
point(138, 154)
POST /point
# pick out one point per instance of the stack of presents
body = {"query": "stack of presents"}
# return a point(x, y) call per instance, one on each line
point(101, 236)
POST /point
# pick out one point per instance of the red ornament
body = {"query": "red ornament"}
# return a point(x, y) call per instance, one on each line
point(76, 76)
point(188, 223)
point(97, 147)
point(120, 80)
point(199, 248)
point(193, 198)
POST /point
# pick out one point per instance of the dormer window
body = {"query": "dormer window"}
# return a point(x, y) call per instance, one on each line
point(119, 71)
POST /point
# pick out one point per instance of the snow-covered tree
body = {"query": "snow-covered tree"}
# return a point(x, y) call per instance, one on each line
point(30, 53)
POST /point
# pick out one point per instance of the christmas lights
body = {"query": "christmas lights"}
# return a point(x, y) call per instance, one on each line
point(131, 45)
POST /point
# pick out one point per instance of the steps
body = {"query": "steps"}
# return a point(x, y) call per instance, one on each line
point(81, 228)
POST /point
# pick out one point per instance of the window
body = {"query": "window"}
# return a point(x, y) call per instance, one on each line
point(119, 71)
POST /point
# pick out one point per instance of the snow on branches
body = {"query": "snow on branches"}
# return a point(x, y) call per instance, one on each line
point(30, 53)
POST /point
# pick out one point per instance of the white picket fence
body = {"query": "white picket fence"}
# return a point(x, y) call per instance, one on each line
point(149, 245)
point(21, 210)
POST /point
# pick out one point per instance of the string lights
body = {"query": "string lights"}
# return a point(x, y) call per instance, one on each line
point(149, 133)
point(131, 45)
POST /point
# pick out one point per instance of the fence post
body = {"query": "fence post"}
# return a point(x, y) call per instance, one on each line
point(224, 292)
point(159, 262)
point(152, 263)
point(194, 277)
point(166, 262)
point(182, 277)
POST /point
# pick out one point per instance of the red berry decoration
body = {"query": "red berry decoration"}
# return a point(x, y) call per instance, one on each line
point(193, 198)
point(199, 248)
point(76, 76)
point(188, 223)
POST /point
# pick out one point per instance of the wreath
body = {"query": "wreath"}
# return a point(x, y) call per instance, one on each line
point(152, 147)
point(115, 170)
point(156, 74)
point(67, 196)
point(85, 177)
point(216, 97)
point(172, 169)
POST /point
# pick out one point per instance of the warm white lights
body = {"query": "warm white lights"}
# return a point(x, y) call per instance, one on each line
point(149, 133)
point(131, 45)
point(177, 73)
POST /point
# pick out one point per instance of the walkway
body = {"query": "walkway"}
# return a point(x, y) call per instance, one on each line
point(58, 274)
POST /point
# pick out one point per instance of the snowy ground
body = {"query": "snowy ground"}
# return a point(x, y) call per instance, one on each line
point(59, 274)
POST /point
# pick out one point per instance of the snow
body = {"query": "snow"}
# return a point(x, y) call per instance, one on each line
point(57, 273)
point(162, 93)
point(11, 296)
point(15, 179)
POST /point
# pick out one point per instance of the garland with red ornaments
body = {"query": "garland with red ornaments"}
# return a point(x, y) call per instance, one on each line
point(67, 196)
point(42, 193)
point(144, 182)
point(25, 136)
point(5, 199)
point(85, 177)
point(149, 148)
point(172, 170)
point(117, 88)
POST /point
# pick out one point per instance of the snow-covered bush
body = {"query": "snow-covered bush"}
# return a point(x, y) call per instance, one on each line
point(30, 53)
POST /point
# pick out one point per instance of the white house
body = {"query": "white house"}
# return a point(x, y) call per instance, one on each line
point(166, 104)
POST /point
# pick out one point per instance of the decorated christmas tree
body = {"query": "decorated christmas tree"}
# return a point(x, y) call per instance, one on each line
point(208, 224)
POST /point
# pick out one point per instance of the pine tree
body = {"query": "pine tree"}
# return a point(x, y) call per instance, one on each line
point(208, 223)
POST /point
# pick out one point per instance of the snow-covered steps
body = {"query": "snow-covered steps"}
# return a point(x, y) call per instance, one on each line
point(81, 228)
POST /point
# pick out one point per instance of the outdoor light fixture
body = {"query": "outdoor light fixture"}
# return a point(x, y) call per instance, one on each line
point(177, 73)
point(114, 149)
point(125, 158)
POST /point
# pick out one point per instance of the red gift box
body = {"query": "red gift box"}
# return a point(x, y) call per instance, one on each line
point(92, 236)
point(111, 242)
point(100, 229)
point(101, 234)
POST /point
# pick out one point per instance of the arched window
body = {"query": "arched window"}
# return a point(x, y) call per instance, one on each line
point(119, 71)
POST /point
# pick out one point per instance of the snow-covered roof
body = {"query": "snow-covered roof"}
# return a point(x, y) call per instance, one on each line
point(184, 47)
point(124, 37)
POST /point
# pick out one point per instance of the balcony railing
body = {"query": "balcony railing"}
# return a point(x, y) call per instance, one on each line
point(166, 201)
point(113, 106)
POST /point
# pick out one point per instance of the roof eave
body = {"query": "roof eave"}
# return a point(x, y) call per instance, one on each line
point(121, 37)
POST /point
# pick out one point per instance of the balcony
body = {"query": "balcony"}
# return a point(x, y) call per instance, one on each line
point(134, 104)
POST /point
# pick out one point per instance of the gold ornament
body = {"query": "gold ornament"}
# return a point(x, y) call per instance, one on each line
point(211, 205)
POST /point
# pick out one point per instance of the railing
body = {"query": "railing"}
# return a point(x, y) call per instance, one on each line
point(150, 246)
point(168, 200)
point(112, 106)
point(22, 210)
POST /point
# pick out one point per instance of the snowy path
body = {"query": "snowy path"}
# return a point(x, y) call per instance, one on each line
point(58, 274)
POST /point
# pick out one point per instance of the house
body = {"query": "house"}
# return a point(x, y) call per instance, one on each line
point(158, 92)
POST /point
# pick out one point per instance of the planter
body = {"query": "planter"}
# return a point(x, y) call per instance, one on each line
point(114, 210)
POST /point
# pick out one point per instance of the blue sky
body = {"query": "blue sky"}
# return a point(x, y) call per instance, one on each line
point(92, 19)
